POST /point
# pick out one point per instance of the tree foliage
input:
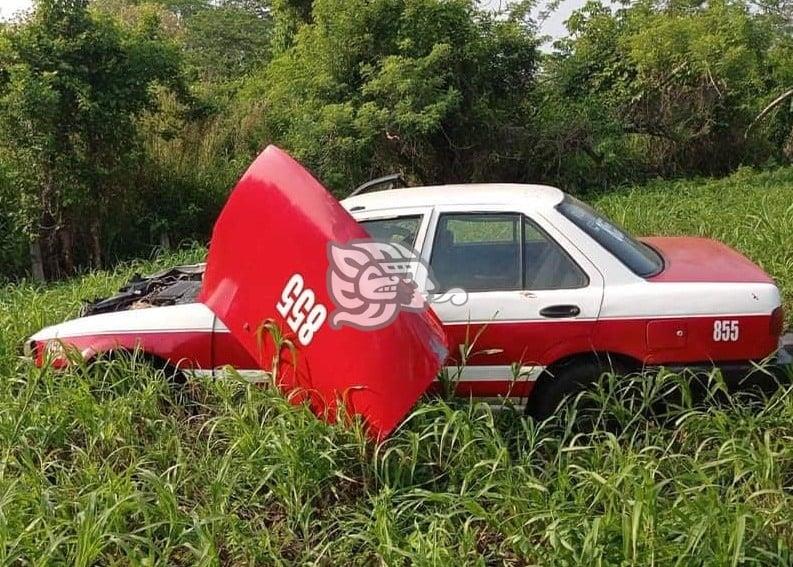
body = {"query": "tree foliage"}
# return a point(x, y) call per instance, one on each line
point(224, 41)
point(671, 88)
point(71, 86)
point(147, 110)
point(434, 88)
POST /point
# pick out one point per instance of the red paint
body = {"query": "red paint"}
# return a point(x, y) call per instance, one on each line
point(227, 351)
point(278, 222)
point(648, 341)
point(667, 334)
point(527, 343)
point(184, 349)
point(539, 343)
point(689, 259)
point(630, 337)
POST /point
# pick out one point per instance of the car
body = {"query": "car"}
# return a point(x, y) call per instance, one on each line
point(538, 295)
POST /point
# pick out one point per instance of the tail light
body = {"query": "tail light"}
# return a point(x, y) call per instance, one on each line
point(777, 321)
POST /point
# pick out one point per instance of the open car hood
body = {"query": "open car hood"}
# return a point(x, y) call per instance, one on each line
point(267, 269)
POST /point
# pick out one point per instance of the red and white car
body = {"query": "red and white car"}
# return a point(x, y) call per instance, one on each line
point(556, 294)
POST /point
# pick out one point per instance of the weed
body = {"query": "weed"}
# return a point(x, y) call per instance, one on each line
point(105, 465)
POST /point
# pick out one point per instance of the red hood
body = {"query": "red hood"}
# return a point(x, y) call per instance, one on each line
point(689, 259)
point(268, 262)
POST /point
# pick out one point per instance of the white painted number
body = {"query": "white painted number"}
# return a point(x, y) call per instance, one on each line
point(297, 306)
point(725, 330)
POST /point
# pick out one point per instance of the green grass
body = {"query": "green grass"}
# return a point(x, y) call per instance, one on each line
point(109, 465)
point(752, 212)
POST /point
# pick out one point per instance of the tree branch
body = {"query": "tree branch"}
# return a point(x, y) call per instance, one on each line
point(771, 106)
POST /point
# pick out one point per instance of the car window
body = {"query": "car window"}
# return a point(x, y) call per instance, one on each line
point(483, 228)
point(477, 252)
point(402, 230)
point(545, 264)
point(637, 256)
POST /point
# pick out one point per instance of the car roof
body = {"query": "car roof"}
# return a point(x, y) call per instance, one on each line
point(535, 196)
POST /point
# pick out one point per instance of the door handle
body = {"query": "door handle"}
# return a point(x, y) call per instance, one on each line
point(560, 311)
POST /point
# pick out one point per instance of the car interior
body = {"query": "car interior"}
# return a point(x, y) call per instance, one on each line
point(481, 252)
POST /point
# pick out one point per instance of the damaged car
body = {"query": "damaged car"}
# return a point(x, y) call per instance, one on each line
point(526, 293)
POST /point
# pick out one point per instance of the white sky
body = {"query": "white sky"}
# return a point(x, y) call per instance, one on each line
point(8, 7)
point(553, 26)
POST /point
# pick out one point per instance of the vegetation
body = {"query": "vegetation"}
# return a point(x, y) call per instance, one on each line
point(750, 211)
point(123, 124)
point(73, 85)
point(109, 464)
point(148, 110)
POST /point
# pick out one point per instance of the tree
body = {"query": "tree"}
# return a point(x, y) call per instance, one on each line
point(434, 88)
point(72, 84)
point(227, 41)
point(669, 87)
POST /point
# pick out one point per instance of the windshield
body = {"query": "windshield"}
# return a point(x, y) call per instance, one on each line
point(640, 258)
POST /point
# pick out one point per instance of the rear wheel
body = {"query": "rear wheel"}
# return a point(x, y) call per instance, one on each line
point(565, 380)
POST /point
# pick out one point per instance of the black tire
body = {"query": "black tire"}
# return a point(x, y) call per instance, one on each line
point(183, 393)
point(565, 380)
point(171, 373)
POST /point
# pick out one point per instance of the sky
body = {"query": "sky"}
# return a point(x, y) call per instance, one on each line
point(8, 7)
point(553, 26)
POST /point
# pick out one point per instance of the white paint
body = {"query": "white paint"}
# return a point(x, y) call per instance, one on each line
point(192, 317)
point(252, 375)
point(471, 196)
point(499, 373)
point(455, 373)
point(615, 292)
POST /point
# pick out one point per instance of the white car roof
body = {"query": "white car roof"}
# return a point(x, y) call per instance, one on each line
point(535, 196)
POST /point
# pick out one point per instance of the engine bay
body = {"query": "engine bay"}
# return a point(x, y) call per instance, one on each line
point(174, 286)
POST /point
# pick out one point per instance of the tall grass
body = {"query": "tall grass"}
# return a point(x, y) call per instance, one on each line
point(753, 212)
point(109, 464)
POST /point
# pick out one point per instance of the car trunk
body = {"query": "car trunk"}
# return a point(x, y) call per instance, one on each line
point(690, 259)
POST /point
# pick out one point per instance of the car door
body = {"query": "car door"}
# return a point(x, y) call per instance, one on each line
point(513, 293)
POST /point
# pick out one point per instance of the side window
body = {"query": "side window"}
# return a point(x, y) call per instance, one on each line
point(545, 264)
point(499, 252)
point(477, 251)
point(402, 230)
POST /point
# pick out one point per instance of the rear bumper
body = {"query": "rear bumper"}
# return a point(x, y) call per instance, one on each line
point(768, 373)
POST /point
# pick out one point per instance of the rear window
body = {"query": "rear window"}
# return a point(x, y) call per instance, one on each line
point(637, 256)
